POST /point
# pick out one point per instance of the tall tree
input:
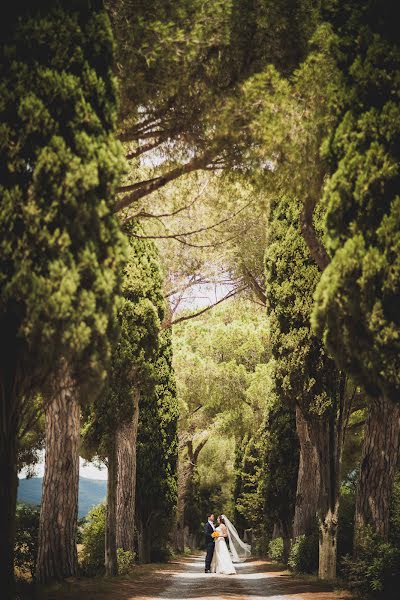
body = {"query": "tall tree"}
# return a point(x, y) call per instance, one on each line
point(279, 472)
point(357, 296)
point(139, 318)
point(60, 244)
point(305, 376)
point(157, 455)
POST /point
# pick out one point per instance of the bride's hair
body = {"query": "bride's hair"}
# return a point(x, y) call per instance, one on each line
point(221, 519)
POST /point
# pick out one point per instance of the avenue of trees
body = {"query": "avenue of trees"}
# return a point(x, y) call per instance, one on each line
point(151, 154)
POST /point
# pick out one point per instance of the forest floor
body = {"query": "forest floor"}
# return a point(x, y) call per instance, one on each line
point(184, 579)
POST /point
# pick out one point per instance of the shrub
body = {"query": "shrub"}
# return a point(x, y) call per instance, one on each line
point(81, 524)
point(275, 549)
point(126, 561)
point(26, 538)
point(93, 532)
point(375, 571)
point(303, 556)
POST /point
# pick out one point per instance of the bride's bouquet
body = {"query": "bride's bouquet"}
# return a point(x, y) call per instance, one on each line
point(215, 534)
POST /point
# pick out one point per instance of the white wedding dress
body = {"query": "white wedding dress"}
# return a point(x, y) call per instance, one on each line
point(221, 562)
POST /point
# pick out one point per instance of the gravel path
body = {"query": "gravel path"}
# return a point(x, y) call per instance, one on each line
point(255, 580)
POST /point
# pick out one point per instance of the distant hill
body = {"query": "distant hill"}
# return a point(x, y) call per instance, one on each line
point(91, 492)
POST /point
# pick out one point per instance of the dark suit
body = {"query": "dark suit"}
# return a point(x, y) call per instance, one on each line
point(210, 544)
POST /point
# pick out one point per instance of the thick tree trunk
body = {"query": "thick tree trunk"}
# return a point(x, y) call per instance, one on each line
point(308, 481)
point(126, 480)
point(328, 545)
point(8, 499)
point(57, 554)
point(380, 455)
point(111, 562)
point(329, 453)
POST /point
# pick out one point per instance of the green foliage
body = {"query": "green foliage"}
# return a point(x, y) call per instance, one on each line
point(26, 538)
point(303, 556)
point(356, 300)
point(275, 549)
point(92, 556)
point(126, 561)
point(278, 481)
point(347, 509)
point(157, 450)
point(140, 312)
point(375, 571)
point(184, 71)
point(303, 372)
point(61, 246)
point(249, 502)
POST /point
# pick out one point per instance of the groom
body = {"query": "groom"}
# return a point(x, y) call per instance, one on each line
point(210, 544)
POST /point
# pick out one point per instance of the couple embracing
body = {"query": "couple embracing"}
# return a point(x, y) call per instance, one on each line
point(218, 558)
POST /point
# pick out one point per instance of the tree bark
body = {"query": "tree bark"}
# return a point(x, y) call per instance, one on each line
point(180, 529)
point(110, 558)
point(126, 479)
point(57, 553)
point(379, 460)
point(329, 454)
point(8, 500)
point(308, 483)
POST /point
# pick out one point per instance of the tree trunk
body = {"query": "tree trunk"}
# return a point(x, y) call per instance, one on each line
point(57, 553)
point(380, 455)
point(328, 545)
point(286, 537)
point(180, 530)
point(111, 562)
point(8, 499)
point(126, 480)
point(308, 482)
point(325, 431)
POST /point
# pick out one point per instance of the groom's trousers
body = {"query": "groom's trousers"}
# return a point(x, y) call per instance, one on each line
point(210, 551)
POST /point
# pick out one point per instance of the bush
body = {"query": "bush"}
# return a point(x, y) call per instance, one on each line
point(275, 549)
point(303, 556)
point(93, 532)
point(126, 561)
point(26, 538)
point(375, 571)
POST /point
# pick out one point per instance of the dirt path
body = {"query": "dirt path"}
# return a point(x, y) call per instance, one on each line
point(255, 580)
point(184, 579)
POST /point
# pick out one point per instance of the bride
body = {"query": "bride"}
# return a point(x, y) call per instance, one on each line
point(222, 561)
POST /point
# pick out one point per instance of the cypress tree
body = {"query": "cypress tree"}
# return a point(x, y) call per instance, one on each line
point(115, 414)
point(157, 457)
point(60, 245)
point(358, 296)
point(305, 377)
